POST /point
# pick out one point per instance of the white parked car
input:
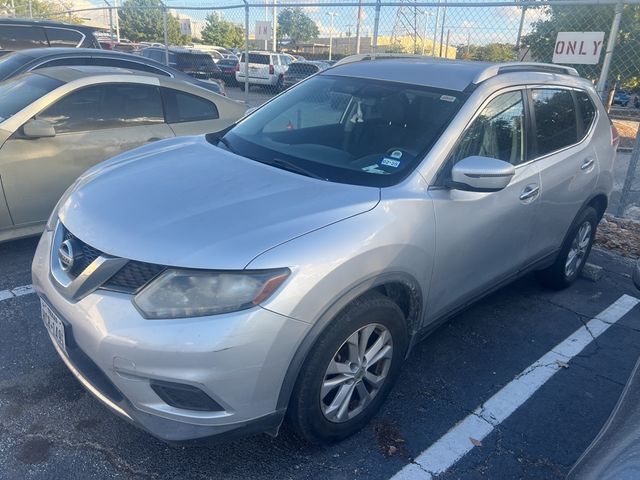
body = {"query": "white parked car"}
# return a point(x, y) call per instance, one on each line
point(265, 68)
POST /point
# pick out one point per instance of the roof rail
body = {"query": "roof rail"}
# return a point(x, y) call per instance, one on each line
point(499, 68)
point(375, 56)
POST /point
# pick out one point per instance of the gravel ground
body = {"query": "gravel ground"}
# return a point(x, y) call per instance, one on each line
point(627, 130)
point(620, 235)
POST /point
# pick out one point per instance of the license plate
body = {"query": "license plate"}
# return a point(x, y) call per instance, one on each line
point(54, 325)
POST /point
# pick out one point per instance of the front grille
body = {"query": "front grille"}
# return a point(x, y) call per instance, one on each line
point(133, 276)
point(89, 254)
point(129, 279)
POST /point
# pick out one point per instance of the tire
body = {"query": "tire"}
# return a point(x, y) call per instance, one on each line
point(578, 244)
point(318, 419)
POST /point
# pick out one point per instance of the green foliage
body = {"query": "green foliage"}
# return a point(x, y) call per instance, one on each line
point(626, 57)
point(146, 24)
point(492, 52)
point(296, 25)
point(222, 33)
point(39, 9)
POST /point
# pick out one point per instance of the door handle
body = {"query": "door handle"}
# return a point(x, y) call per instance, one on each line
point(587, 163)
point(530, 191)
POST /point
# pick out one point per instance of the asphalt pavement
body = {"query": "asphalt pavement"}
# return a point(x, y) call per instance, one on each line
point(51, 428)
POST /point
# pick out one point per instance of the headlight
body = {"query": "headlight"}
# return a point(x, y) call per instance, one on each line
point(195, 293)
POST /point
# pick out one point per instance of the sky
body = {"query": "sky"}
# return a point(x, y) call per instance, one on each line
point(476, 24)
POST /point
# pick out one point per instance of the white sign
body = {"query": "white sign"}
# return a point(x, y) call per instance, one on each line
point(263, 30)
point(578, 47)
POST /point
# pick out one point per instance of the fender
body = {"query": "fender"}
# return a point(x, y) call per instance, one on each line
point(330, 313)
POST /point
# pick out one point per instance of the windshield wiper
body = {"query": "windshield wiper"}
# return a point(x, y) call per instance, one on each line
point(227, 145)
point(292, 167)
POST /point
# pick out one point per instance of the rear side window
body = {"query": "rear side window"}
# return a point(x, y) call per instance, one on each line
point(118, 63)
point(257, 58)
point(183, 107)
point(303, 68)
point(14, 37)
point(106, 106)
point(586, 111)
point(555, 119)
point(65, 62)
point(63, 37)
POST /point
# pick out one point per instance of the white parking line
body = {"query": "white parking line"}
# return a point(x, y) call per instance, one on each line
point(16, 292)
point(459, 441)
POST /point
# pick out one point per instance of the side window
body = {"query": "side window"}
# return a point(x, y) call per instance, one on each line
point(137, 66)
point(106, 106)
point(497, 132)
point(65, 62)
point(62, 37)
point(184, 107)
point(555, 119)
point(13, 37)
point(586, 111)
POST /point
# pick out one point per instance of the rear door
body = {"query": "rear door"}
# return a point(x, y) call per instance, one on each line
point(92, 124)
point(566, 158)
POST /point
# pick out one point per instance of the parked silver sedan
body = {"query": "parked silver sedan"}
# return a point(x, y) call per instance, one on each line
point(57, 122)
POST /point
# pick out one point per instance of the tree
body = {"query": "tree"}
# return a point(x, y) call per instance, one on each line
point(222, 32)
point(39, 9)
point(592, 18)
point(146, 23)
point(296, 25)
point(492, 52)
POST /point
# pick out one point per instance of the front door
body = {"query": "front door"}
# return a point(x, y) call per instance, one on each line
point(482, 238)
point(92, 124)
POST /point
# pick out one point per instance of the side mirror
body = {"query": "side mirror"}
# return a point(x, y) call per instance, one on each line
point(636, 275)
point(38, 129)
point(481, 174)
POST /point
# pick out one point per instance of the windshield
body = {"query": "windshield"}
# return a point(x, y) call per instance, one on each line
point(195, 60)
point(18, 92)
point(10, 63)
point(347, 130)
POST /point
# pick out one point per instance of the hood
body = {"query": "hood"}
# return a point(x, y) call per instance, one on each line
point(184, 202)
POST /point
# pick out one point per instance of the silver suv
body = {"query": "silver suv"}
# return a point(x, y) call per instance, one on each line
point(283, 268)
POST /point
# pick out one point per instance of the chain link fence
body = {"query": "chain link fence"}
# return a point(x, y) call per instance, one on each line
point(494, 31)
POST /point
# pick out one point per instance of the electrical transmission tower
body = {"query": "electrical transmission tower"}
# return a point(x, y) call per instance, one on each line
point(407, 25)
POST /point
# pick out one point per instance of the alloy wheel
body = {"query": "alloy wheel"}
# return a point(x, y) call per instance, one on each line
point(356, 373)
point(578, 251)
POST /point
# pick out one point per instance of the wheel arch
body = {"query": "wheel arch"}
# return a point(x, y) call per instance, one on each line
point(402, 288)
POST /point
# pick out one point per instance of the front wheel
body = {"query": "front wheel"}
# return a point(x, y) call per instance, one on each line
point(350, 370)
point(574, 252)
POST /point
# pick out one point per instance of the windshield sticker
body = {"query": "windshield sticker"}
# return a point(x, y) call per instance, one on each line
point(390, 162)
point(447, 98)
point(374, 169)
point(396, 154)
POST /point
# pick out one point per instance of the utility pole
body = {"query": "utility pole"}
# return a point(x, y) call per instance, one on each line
point(435, 30)
point(275, 26)
point(359, 20)
point(332, 15)
point(266, 19)
point(115, 2)
point(426, 24)
point(444, 17)
point(30, 9)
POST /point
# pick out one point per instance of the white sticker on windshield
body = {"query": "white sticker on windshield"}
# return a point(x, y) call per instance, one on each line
point(373, 169)
point(390, 162)
point(447, 98)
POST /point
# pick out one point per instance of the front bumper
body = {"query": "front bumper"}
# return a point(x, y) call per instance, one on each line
point(239, 360)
